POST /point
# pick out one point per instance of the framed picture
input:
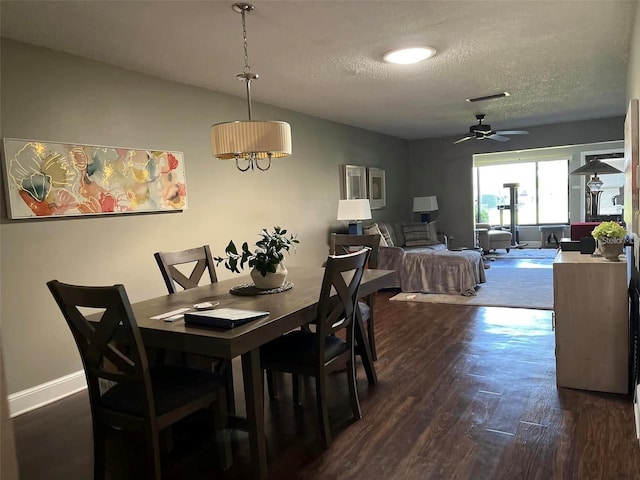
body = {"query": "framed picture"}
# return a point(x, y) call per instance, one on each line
point(377, 188)
point(355, 182)
point(54, 180)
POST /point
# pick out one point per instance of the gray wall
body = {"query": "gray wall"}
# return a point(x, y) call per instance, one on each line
point(48, 95)
point(437, 167)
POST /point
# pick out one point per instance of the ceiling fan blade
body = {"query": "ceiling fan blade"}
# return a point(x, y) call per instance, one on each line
point(497, 137)
point(512, 132)
point(464, 139)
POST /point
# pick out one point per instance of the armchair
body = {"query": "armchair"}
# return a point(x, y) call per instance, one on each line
point(492, 238)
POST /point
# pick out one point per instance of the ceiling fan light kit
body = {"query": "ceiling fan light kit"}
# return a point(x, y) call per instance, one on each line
point(407, 56)
point(483, 131)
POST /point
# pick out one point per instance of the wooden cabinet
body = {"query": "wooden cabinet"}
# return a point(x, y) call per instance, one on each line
point(591, 304)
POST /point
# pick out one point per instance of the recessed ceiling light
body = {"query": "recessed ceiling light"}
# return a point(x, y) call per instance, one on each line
point(405, 56)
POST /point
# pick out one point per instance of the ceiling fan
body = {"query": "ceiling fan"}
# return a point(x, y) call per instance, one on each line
point(482, 132)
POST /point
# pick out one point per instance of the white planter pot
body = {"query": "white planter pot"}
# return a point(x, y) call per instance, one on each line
point(271, 280)
point(611, 248)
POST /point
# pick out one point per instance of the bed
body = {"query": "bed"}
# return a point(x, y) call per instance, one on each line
point(422, 262)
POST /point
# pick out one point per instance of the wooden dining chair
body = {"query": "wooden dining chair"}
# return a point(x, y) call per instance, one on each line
point(343, 243)
point(200, 257)
point(199, 260)
point(139, 398)
point(320, 352)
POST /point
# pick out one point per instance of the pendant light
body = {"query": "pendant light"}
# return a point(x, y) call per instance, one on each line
point(250, 140)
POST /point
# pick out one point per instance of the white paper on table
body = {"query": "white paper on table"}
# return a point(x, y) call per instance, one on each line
point(172, 313)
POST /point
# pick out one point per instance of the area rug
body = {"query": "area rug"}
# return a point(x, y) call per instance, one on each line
point(520, 253)
point(505, 287)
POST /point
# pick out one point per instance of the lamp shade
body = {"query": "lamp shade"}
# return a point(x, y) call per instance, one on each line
point(354, 209)
point(232, 140)
point(425, 204)
point(594, 167)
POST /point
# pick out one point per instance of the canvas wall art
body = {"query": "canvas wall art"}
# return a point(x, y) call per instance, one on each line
point(49, 179)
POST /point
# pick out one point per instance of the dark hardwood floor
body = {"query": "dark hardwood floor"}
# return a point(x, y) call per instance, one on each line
point(463, 393)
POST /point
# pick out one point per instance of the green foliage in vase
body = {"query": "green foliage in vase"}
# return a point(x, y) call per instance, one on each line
point(269, 252)
point(608, 230)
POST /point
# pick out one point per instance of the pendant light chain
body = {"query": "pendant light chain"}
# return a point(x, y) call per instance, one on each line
point(247, 68)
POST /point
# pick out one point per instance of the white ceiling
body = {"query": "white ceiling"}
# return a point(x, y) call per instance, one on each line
point(560, 60)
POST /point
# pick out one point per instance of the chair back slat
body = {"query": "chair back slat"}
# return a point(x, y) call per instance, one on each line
point(173, 277)
point(342, 276)
point(110, 347)
point(103, 346)
point(340, 244)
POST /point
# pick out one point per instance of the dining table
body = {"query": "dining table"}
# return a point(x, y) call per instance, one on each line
point(288, 310)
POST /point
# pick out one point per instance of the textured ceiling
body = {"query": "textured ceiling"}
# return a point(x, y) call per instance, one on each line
point(560, 60)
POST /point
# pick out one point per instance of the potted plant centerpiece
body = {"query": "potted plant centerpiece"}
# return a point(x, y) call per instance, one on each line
point(267, 269)
point(610, 237)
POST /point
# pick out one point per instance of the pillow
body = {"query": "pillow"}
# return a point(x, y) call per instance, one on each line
point(420, 234)
point(399, 236)
point(375, 230)
point(386, 234)
point(433, 231)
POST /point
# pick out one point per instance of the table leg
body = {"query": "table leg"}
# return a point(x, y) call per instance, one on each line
point(364, 350)
point(254, 400)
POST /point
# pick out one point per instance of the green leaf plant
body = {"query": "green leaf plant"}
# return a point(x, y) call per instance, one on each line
point(267, 255)
point(608, 230)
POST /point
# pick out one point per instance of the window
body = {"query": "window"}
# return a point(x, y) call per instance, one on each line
point(543, 194)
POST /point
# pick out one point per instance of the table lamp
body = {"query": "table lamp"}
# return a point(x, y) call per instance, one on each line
point(594, 167)
point(424, 206)
point(354, 211)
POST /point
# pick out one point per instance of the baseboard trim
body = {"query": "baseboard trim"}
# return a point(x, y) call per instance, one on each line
point(46, 393)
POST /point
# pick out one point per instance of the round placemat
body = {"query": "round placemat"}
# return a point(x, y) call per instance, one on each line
point(250, 289)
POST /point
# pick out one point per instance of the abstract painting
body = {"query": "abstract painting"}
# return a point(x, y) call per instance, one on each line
point(48, 179)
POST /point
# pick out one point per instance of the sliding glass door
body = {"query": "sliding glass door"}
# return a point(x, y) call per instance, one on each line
point(543, 194)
